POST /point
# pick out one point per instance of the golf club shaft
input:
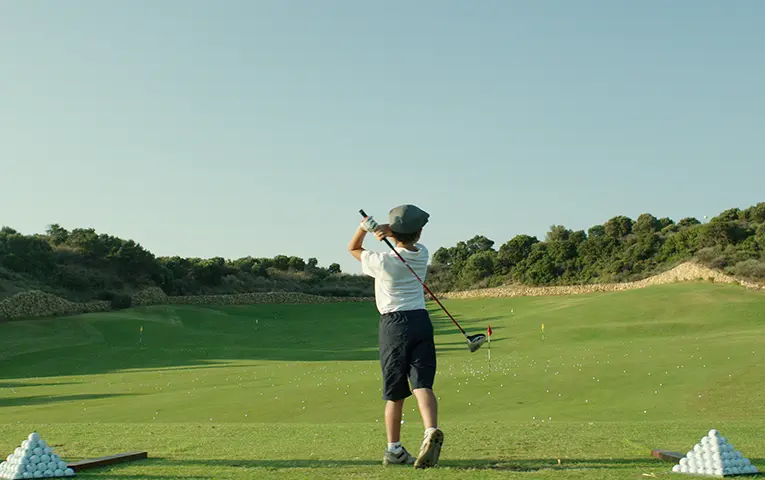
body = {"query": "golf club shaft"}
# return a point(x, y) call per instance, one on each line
point(420, 280)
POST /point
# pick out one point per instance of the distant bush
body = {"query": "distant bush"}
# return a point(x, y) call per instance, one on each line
point(117, 301)
point(750, 269)
point(708, 254)
point(121, 301)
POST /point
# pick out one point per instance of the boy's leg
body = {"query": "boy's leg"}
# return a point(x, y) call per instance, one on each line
point(430, 450)
point(422, 375)
point(395, 365)
point(393, 411)
point(428, 404)
point(395, 453)
point(422, 372)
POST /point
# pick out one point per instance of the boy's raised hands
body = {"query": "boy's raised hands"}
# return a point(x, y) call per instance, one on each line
point(380, 231)
point(369, 225)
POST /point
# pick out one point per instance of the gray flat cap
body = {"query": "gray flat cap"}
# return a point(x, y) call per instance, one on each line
point(407, 219)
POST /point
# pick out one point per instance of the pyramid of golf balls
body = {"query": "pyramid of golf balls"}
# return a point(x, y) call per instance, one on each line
point(34, 459)
point(715, 456)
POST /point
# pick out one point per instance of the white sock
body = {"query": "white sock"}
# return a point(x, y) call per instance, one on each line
point(394, 447)
point(430, 430)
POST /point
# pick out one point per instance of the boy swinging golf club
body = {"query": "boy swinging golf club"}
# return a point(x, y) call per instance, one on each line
point(407, 348)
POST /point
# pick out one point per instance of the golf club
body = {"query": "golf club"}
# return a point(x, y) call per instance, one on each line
point(474, 341)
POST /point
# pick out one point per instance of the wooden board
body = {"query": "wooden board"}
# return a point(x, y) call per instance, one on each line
point(667, 455)
point(110, 460)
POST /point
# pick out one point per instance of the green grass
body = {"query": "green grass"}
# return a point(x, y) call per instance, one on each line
point(294, 391)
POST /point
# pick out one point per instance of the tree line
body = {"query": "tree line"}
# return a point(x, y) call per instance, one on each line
point(82, 264)
point(621, 249)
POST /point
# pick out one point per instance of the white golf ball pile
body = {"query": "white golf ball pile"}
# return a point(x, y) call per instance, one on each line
point(34, 459)
point(715, 456)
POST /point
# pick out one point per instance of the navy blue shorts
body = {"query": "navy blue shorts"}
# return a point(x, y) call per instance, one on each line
point(407, 353)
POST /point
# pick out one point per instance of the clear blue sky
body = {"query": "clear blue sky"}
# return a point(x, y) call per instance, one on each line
point(234, 128)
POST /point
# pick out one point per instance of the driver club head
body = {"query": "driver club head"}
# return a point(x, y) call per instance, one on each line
point(475, 341)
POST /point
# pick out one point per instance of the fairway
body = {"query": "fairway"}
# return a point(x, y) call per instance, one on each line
point(293, 391)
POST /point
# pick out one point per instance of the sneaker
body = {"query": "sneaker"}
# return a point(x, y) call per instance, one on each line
point(401, 458)
point(430, 450)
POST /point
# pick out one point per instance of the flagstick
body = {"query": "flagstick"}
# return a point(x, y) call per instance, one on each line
point(489, 353)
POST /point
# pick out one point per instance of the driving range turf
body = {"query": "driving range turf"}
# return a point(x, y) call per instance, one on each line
point(293, 391)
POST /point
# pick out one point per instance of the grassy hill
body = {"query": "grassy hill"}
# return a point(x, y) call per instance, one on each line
point(293, 391)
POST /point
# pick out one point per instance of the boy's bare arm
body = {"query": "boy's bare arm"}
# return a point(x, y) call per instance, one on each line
point(355, 247)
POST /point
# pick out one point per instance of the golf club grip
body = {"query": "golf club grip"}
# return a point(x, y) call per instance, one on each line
point(363, 214)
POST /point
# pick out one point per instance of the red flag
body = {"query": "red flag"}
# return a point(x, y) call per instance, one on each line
point(488, 330)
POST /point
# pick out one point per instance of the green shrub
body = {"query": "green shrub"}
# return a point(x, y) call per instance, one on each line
point(752, 268)
point(706, 255)
point(105, 296)
point(121, 301)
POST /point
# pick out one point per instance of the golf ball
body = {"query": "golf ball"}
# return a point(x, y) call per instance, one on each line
point(45, 459)
point(62, 465)
point(28, 475)
point(58, 473)
point(38, 474)
point(33, 437)
point(38, 451)
point(69, 472)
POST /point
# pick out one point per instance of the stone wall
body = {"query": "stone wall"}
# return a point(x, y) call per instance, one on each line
point(686, 272)
point(40, 304)
point(155, 296)
point(256, 298)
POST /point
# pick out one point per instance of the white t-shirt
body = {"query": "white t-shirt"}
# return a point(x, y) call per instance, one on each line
point(396, 289)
